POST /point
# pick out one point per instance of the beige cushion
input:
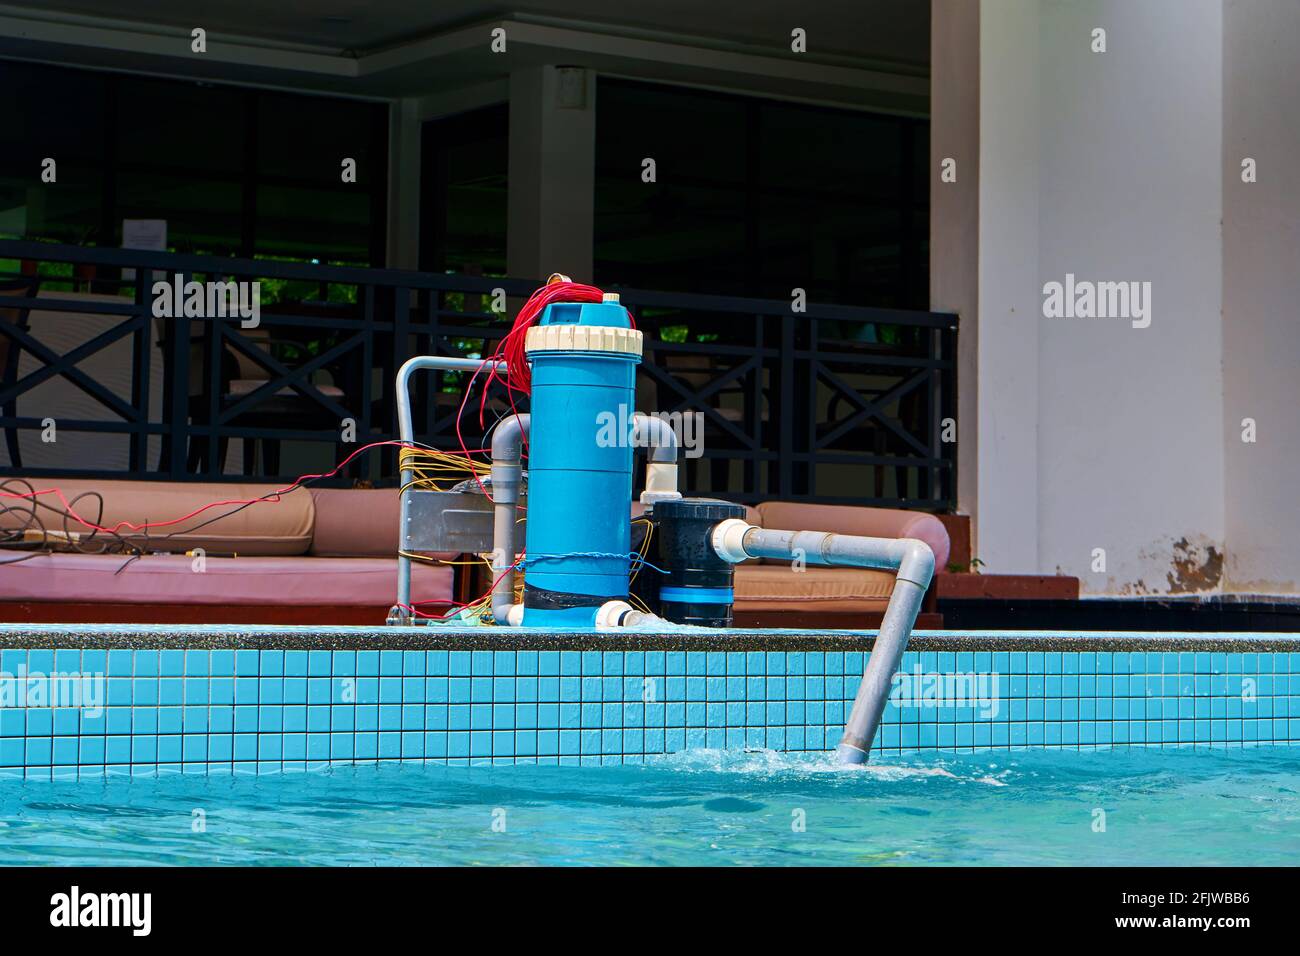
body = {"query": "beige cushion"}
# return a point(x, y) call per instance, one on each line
point(777, 587)
point(273, 527)
point(358, 523)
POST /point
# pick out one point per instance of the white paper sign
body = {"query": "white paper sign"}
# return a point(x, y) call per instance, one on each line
point(143, 234)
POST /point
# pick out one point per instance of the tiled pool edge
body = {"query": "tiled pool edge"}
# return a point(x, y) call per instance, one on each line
point(240, 636)
point(242, 699)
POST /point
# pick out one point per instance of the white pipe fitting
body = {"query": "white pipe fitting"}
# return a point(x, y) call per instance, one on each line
point(613, 615)
point(729, 539)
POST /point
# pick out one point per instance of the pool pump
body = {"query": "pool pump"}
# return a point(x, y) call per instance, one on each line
point(580, 435)
point(696, 586)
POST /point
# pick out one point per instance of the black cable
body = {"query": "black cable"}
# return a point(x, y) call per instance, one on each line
point(300, 483)
point(125, 544)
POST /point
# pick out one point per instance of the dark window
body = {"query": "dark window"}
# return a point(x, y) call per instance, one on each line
point(756, 197)
point(463, 160)
point(233, 171)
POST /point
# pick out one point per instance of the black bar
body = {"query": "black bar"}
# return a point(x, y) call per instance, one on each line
point(785, 430)
point(140, 373)
point(1145, 907)
point(214, 344)
point(178, 400)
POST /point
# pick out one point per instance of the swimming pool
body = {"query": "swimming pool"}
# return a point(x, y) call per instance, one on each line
point(223, 699)
point(1138, 807)
point(235, 744)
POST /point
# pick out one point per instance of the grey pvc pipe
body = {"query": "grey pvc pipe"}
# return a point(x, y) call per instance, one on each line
point(914, 562)
point(406, 432)
point(507, 472)
point(662, 446)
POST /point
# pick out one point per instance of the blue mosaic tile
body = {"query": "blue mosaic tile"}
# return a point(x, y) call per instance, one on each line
point(273, 710)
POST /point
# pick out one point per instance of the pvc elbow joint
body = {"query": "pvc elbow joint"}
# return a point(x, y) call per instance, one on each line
point(508, 438)
point(917, 564)
point(661, 458)
point(504, 611)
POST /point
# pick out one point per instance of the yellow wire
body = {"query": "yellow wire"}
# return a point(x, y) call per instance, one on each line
point(425, 559)
point(437, 470)
point(644, 549)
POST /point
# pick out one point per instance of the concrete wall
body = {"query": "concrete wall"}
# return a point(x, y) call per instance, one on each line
point(1103, 165)
point(552, 168)
point(1261, 293)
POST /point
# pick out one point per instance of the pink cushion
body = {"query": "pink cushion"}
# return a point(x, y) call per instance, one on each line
point(171, 579)
point(357, 522)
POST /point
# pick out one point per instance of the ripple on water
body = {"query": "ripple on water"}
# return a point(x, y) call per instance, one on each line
point(701, 807)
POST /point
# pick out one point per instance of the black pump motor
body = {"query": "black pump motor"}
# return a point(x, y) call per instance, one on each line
point(696, 587)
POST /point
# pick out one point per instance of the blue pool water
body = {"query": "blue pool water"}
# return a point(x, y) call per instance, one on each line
point(1161, 807)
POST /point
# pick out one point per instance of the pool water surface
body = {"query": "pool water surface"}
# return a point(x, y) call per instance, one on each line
point(1133, 807)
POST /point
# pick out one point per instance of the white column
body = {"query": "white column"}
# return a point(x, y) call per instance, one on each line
point(1009, 302)
point(1104, 166)
point(1261, 289)
point(551, 170)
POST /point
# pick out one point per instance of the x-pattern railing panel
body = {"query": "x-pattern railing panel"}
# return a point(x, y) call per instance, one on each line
point(295, 378)
point(870, 409)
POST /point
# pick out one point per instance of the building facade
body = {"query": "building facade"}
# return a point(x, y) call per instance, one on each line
point(1100, 190)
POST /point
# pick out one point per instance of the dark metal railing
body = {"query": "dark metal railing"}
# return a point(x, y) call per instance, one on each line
point(829, 404)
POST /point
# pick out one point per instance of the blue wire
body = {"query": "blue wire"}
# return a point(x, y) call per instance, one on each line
point(633, 556)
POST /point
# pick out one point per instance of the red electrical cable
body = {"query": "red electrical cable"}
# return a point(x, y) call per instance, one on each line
point(456, 606)
point(510, 350)
point(271, 496)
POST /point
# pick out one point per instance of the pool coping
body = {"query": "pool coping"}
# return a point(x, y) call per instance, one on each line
point(428, 638)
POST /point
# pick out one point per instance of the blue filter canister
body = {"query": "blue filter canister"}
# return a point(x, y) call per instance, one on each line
point(578, 538)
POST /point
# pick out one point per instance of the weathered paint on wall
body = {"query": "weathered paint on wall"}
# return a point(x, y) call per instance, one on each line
point(1261, 295)
point(1101, 451)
